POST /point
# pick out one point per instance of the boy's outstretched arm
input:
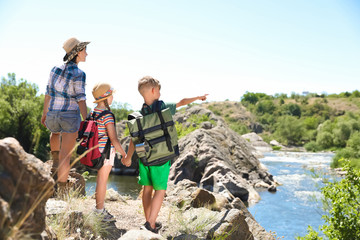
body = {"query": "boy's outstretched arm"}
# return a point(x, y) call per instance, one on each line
point(186, 101)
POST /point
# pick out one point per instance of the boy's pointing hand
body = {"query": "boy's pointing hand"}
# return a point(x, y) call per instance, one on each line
point(203, 98)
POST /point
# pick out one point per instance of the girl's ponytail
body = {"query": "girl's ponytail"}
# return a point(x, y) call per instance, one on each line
point(107, 104)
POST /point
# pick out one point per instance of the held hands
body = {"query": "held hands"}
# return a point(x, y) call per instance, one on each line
point(126, 160)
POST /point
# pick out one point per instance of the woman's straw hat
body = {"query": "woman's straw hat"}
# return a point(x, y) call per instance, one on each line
point(72, 46)
point(102, 91)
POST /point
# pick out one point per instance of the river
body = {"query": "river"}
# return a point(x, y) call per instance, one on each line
point(286, 212)
point(292, 208)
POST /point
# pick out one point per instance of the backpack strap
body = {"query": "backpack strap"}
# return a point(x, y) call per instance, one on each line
point(155, 107)
point(166, 132)
point(108, 142)
point(141, 130)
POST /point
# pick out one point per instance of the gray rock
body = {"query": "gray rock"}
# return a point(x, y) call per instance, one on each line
point(141, 235)
point(186, 237)
point(25, 183)
point(258, 143)
point(206, 125)
point(210, 154)
point(202, 198)
point(210, 218)
point(232, 226)
point(275, 143)
point(55, 206)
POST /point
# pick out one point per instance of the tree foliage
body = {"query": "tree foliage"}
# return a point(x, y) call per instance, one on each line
point(290, 130)
point(343, 200)
point(20, 114)
point(315, 124)
point(120, 110)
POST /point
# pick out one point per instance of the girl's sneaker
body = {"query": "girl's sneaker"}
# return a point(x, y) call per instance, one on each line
point(106, 216)
point(158, 226)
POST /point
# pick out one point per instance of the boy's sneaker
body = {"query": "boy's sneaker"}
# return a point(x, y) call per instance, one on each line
point(106, 216)
point(158, 225)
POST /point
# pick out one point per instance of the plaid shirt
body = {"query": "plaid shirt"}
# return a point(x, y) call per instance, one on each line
point(66, 87)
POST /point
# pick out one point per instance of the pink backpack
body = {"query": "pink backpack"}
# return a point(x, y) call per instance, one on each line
point(88, 137)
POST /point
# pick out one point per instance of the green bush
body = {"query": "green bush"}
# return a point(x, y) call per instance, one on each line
point(347, 153)
point(343, 198)
point(312, 147)
point(195, 121)
point(239, 128)
point(276, 148)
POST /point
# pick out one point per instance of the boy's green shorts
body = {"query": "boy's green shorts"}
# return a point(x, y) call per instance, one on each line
point(156, 176)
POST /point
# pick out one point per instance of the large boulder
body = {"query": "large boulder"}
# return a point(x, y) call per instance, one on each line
point(26, 185)
point(219, 159)
point(260, 146)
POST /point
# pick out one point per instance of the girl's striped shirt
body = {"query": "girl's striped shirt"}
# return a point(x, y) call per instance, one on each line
point(102, 123)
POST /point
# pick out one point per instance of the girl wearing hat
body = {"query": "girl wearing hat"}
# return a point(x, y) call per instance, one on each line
point(103, 94)
point(64, 101)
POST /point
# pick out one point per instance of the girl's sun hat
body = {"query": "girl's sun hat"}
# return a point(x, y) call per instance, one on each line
point(102, 91)
point(72, 46)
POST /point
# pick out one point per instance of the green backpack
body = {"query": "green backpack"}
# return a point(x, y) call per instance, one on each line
point(154, 135)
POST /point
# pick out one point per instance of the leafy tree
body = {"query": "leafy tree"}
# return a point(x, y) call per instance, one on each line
point(249, 97)
point(265, 106)
point(120, 110)
point(355, 94)
point(341, 134)
point(324, 140)
point(343, 199)
point(20, 114)
point(311, 122)
point(292, 109)
point(345, 94)
point(317, 109)
point(289, 130)
point(281, 95)
point(354, 141)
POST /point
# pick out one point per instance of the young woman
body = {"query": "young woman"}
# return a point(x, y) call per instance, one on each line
point(103, 94)
point(65, 101)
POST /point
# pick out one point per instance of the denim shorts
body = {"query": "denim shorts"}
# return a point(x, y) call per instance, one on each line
point(68, 122)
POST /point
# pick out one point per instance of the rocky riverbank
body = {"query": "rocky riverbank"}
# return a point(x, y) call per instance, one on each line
point(210, 183)
point(188, 212)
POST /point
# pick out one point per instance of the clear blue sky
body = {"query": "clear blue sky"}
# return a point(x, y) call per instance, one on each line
point(223, 48)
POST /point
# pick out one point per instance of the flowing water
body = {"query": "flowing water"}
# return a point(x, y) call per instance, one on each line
point(125, 185)
point(287, 212)
point(292, 208)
